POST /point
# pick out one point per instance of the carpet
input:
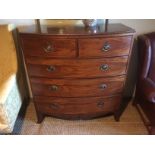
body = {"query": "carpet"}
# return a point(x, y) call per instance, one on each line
point(130, 124)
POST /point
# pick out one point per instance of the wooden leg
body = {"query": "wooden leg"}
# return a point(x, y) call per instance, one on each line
point(134, 103)
point(152, 130)
point(40, 117)
point(117, 116)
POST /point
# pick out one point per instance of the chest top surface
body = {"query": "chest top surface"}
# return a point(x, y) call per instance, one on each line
point(110, 29)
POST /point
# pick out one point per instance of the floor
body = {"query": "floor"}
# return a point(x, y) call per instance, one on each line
point(130, 124)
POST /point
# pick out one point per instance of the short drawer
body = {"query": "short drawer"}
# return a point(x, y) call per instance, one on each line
point(104, 47)
point(46, 46)
point(77, 87)
point(74, 106)
point(84, 68)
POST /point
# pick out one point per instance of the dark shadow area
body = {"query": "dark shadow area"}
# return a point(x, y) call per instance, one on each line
point(22, 85)
point(131, 78)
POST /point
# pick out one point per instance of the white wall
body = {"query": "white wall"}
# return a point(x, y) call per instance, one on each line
point(140, 25)
point(17, 22)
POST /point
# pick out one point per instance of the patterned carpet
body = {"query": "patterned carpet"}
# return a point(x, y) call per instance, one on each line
point(130, 124)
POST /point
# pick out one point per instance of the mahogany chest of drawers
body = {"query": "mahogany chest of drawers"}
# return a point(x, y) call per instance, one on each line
point(77, 73)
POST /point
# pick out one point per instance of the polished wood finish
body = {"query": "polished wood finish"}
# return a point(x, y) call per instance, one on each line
point(46, 46)
point(77, 68)
point(77, 87)
point(118, 46)
point(77, 72)
point(77, 106)
point(76, 31)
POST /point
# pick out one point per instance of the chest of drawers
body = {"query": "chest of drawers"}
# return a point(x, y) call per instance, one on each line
point(76, 73)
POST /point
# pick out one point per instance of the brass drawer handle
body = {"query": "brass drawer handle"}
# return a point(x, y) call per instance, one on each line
point(103, 86)
point(54, 106)
point(104, 67)
point(53, 88)
point(49, 48)
point(106, 47)
point(51, 68)
point(100, 104)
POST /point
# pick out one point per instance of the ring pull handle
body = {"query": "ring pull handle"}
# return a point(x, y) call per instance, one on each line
point(106, 47)
point(100, 105)
point(49, 48)
point(54, 106)
point(51, 68)
point(104, 67)
point(103, 86)
point(53, 88)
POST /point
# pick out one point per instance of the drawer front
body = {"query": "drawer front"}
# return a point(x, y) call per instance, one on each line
point(74, 106)
point(46, 46)
point(77, 88)
point(104, 47)
point(84, 68)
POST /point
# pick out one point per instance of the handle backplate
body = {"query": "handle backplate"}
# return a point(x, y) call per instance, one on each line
point(106, 47)
point(51, 68)
point(104, 67)
point(53, 88)
point(49, 48)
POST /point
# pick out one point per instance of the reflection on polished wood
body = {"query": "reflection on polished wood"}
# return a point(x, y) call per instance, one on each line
point(78, 30)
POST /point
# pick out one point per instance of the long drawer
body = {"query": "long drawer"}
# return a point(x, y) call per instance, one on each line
point(77, 68)
point(46, 46)
point(77, 88)
point(52, 105)
point(104, 47)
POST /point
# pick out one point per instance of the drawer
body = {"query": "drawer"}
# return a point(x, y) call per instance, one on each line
point(46, 46)
point(104, 47)
point(84, 68)
point(77, 87)
point(52, 105)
